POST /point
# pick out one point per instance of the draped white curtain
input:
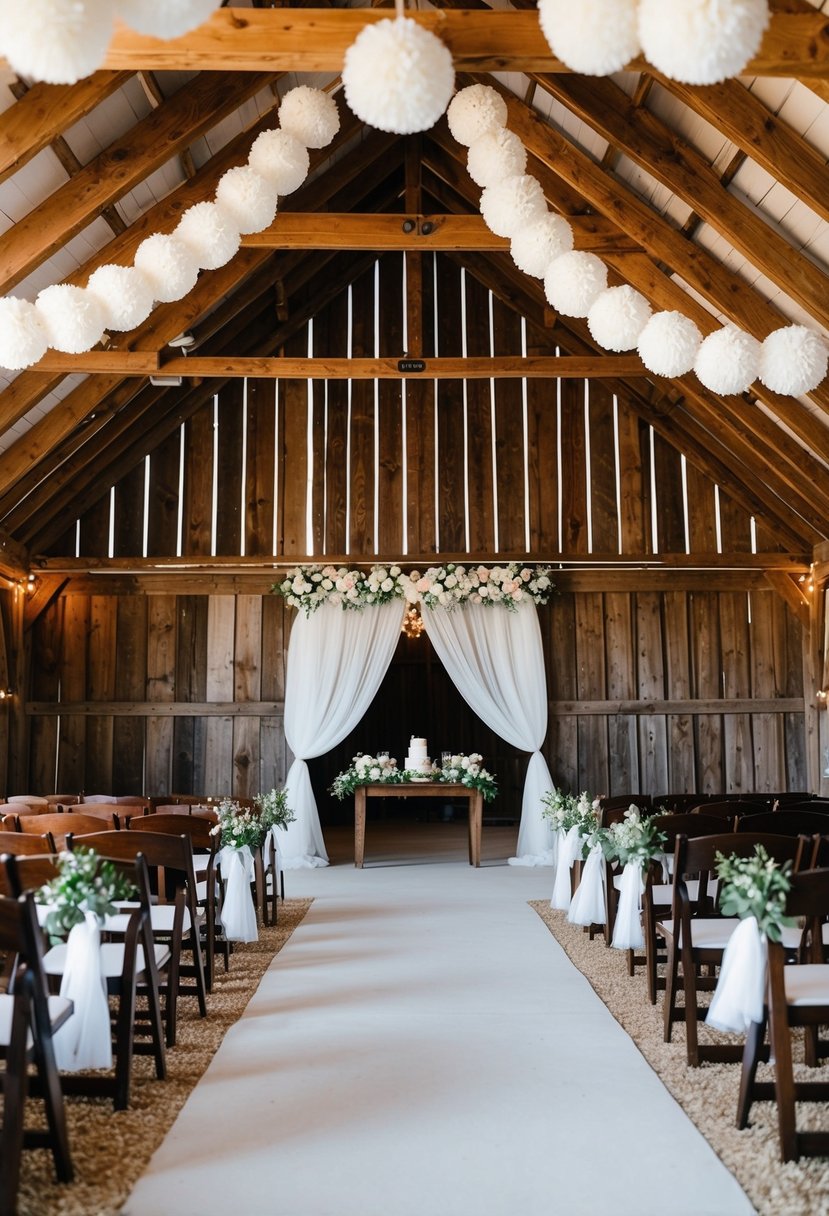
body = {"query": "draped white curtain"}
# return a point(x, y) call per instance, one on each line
point(336, 662)
point(495, 659)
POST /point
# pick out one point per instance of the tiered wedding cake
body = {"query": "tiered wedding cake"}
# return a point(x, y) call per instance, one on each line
point(418, 760)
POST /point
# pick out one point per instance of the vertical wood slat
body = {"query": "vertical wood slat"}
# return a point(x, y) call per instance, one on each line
point(602, 489)
point(590, 653)
point(128, 736)
point(542, 458)
point(231, 408)
point(165, 467)
point(128, 525)
point(336, 423)
point(670, 512)
point(706, 670)
point(653, 742)
point(259, 471)
point(390, 398)
point(735, 526)
point(161, 686)
point(702, 516)
point(451, 462)
point(189, 734)
point(247, 686)
point(72, 738)
point(94, 529)
point(197, 523)
point(479, 422)
point(509, 435)
point(737, 744)
point(631, 433)
point(681, 768)
point(275, 635)
point(221, 615)
point(573, 468)
point(768, 661)
point(421, 521)
point(102, 686)
point(361, 470)
point(293, 457)
point(559, 639)
point(45, 682)
point(618, 643)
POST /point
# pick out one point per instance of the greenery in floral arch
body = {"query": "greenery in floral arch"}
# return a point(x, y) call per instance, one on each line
point(756, 886)
point(365, 768)
point(84, 883)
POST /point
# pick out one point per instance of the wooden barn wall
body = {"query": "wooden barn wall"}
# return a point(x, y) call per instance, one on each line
point(650, 690)
point(291, 468)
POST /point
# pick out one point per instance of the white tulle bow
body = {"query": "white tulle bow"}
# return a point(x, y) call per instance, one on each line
point(85, 1041)
point(741, 989)
point(238, 913)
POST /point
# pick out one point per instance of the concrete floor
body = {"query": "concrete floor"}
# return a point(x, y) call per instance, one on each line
point(423, 1047)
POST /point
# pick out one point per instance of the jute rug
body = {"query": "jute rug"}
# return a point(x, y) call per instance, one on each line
point(110, 1149)
point(708, 1094)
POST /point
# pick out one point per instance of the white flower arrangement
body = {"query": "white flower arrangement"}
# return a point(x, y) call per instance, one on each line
point(468, 770)
point(634, 838)
point(364, 769)
point(307, 587)
point(238, 828)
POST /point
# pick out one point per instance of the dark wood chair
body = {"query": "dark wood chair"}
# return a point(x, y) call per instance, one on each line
point(175, 918)
point(25, 844)
point(784, 823)
point(613, 801)
point(59, 823)
point(696, 934)
point(733, 808)
point(797, 996)
point(29, 1018)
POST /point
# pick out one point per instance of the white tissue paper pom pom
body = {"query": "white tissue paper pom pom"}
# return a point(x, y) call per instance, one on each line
point(281, 159)
point(125, 294)
point(210, 235)
point(512, 204)
point(168, 20)
point(617, 317)
point(536, 246)
point(72, 317)
point(398, 76)
point(496, 154)
point(701, 41)
point(247, 198)
point(669, 343)
point(596, 37)
point(474, 111)
point(56, 41)
point(310, 116)
point(728, 360)
point(169, 264)
point(23, 337)
point(793, 360)
point(573, 282)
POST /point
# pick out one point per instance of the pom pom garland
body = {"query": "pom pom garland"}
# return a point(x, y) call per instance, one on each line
point(701, 41)
point(397, 76)
point(56, 42)
point(595, 37)
point(210, 235)
point(793, 360)
point(310, 116)
point(617, 318)
point(669, 343)
point(281, 159)
point(573, 282)
point(535, 247)
point(512, 204)
point(168, 20)
point(475, 111)
point(247, 199)
point(23, 337)
point(169, 264)
point(728, 360)
point(72, 317)
point(125, 294)
point(496, 154)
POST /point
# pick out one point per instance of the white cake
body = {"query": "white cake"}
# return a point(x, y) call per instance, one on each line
point(418, 760)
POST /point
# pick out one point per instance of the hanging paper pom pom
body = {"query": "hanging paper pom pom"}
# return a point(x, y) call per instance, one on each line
point(617, 317)
point(701, 41)
point(248, 199)
point(728, 360)
point(511, 204)
point(596, 37)
point(669, 343)
point(72, 317)
point(168, 20)
point(169, 264)
point(398, 76)
point(281, 159)
point(209, 234)
point(496, 154)
point(125, 294)
point(573, 282)
point(474, 111)
point(310, 116)
point(793, 360)
point(535, 247)
point(23, 338)
point(54, 41)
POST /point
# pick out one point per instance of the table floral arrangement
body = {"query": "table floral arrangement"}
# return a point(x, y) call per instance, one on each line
point(755, 890)
point(446, 586)
point(365, 768)
point(466, 770)
point(633, 842)
point(461, 769)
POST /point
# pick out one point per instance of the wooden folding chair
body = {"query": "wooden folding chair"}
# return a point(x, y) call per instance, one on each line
point(29, 1018)
point(59, 823)
point(797, 995)
point(25, 844)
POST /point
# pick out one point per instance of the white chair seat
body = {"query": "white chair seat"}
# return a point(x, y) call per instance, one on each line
point(112, 959)
point(807, 984)
point(161, 918)
point(707, 933)
point(59, 1006)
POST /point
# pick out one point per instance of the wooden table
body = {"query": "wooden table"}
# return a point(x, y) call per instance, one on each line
point(418, 789)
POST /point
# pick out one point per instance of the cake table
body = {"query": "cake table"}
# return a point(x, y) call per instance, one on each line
point(418, 789)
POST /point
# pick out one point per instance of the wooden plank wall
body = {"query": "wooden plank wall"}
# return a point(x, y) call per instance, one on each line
point(617, 664)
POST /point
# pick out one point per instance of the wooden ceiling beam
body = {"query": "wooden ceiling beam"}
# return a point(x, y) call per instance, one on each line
point(651, 144)
point(194, 109)
point(45, 112)
point(315, 40)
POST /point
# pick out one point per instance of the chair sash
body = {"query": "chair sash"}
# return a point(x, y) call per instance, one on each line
point(741, 989)
point(588, 904)
point(86, 1039)
point(567, 852)
point(627, 931)
point(238, 913)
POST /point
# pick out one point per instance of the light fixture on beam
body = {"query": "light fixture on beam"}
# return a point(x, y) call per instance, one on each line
point(412, 622)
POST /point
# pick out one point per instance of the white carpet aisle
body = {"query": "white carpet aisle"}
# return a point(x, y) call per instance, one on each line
point(422, 1047)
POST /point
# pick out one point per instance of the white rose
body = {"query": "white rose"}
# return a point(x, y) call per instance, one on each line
point(395, 572)
point(374, 773)
point(451, 581)
point(387, 584)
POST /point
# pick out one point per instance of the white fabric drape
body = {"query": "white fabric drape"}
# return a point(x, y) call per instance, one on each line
point(86, 1040)
point(495, 660)
point(741, 989)
point(238, 914)
point(336, 662)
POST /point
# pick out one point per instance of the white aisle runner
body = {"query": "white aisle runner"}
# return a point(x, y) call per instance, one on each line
point(422, 1047)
